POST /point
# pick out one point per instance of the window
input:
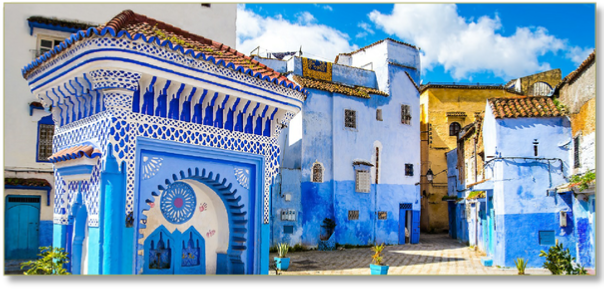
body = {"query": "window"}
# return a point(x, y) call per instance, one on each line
point(288, 215)
point(406, 114)
point(350, 119)
point(378, 115)
point(46, 44)
point(46, 130)
point(206, 5)
point(363, 180)
point(382, 215)
point(353, 215)
point(577, 153)
point(536, 147)
point(288, 229)
point(408, 169)
point(454, 129)
point(317, 172)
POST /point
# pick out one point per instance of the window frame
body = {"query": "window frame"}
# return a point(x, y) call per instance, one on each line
point(320, 167)
point(46, 121)
point(41, 37)
point(407, 167)
point(406, 119)
point(346, 111)
point(458, 129)
point(358, 182)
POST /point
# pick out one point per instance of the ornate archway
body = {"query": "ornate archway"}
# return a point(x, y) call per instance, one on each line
point(178, 204)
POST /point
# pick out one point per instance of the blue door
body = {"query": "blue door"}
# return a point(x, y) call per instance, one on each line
point(415, 227)
point(22, 218)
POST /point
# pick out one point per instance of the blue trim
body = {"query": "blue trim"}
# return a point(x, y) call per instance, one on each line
point(31, 83)
point(23, 187)
point(33, 24)
point(214, 154)
point(77, 169)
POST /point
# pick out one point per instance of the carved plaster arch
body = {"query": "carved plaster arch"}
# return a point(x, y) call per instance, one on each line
point(234, 243)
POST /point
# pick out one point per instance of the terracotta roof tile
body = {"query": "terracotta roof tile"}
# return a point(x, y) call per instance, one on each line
point(34, 182)
point(357, 91)
point(61, 22)
point(524, 107)
point(75, 152)
point(576, 73)
point(137, 25)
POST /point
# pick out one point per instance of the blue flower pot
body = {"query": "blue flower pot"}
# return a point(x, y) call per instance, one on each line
point(378, 270)
point(282, 263)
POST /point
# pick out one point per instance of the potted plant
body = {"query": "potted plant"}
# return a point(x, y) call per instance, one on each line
point(521, 265)
point(377, 268)
point(282, 261)
point(328, 226)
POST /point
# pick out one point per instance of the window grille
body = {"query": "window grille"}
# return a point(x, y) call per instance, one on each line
point(45, 133)
point(350, 119)
point(317, 173)
point(363, 180)
point(382, 215)
point(353, 215)
point(288, 215)
point(577, 154)
point(24, 199)
point(405, 206)
point(378, 115)
point(406, 114)
point(454, 129)
point(408, 169)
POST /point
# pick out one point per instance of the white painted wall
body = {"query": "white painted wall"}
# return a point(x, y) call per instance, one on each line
point(20, 129)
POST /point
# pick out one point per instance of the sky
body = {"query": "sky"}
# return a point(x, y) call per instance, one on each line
point(485, 43)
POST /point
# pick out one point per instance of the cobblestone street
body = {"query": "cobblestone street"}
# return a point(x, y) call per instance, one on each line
point(434, 255)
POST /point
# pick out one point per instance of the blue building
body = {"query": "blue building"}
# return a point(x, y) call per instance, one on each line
point(352, 154)
point(165, 148)
point(526, 149)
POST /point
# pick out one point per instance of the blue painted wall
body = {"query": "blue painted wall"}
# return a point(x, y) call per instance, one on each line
point(522, 206)
point(584, 213)
point(325, 139)
point(46, 233)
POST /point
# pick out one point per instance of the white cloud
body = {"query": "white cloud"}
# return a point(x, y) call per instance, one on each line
point(578, 55)
point(366, 30)
point(465, 46)
point(326, 7)
point(278, 35)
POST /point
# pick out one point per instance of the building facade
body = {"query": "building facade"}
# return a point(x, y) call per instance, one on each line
point(164, 151)
point(526, 155)
point(445, 110)
point(349, 156)
point(35, 29)
point(577, 92)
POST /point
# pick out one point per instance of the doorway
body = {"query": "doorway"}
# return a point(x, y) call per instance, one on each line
point(22, 218)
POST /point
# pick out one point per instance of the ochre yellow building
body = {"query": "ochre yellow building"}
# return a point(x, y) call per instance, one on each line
point(444, 110)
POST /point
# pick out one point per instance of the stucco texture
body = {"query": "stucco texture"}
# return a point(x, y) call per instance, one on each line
point(440, 108)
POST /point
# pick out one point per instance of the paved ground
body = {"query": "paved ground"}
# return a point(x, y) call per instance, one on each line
point(434, 255)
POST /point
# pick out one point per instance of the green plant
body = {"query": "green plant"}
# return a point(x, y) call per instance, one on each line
point(282, 249)
point(559, 106)
point(377, 254)
point(520, 265)
point(51, 262)
point(559, 261)
point(583, 181)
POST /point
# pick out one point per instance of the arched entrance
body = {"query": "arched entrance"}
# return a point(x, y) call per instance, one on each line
point(195, 224)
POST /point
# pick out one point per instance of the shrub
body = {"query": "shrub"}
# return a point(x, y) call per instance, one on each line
point(559, 261)
point(51, 262)
point(520, 265)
